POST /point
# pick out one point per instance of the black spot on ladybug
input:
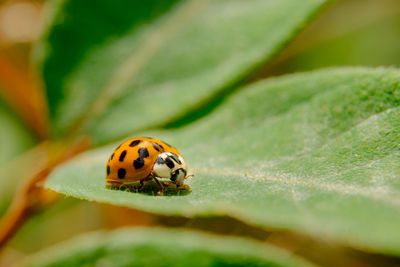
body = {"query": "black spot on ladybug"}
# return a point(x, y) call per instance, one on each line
point(134, 143)
point(121, 173)
point(138, 163)
point(174, 157)
point(122, 156)
point(169, 163)
point(143, 152)
point(157, 147)
point(108, 170)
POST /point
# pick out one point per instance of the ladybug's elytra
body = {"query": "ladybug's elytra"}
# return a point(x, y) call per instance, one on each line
point(141, 159)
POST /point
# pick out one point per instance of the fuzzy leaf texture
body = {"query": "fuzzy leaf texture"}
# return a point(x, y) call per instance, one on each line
point(316, 153)
point(164, 58)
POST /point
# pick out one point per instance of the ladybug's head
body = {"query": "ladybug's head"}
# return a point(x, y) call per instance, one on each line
point(172, 166)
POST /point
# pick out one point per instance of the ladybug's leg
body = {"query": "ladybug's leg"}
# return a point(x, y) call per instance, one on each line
point(159, 184)
point(142, 184)
point(151, 177)
point(154, 177)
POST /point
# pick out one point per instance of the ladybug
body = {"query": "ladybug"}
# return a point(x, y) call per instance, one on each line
point(141, 159)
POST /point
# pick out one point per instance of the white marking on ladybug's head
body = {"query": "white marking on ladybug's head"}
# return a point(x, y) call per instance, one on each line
point(172, 166)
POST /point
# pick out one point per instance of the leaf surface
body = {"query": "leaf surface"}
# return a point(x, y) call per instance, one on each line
point(315, 152)
point(109, 66)
point(160, 247)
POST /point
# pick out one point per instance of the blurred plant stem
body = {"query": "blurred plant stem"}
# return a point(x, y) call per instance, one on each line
point(31, 197)
point(22, 90)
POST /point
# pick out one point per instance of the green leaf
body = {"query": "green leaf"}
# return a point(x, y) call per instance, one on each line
point(15, 138)
point(316, 153)
point(161, 247)
point(96, 72)
point(52, 225)
point(352, 47)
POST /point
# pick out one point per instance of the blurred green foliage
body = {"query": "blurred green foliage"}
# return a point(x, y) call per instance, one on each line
point(161, 247)
point(313, 153)
point(162, 68)
point(348, 33)
point(14, 136)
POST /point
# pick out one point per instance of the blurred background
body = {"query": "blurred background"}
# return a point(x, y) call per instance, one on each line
point(345, 33)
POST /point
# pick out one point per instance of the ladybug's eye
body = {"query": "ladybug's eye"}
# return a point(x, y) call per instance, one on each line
point(179, 174)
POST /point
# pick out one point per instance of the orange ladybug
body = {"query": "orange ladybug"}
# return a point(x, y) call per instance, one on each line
point(140, 159)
